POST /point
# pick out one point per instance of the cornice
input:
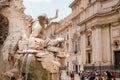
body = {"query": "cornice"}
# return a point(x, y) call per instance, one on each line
point(113, 9)
point(63, 27)
point(86, 30)
point(97, 15)
point(73, 3)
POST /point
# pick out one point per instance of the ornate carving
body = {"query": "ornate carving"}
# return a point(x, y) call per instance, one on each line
point(94, 27)
point(116, 43)
point(89, 31)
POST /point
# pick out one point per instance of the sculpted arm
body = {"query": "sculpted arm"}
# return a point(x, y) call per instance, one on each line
point(56, 16)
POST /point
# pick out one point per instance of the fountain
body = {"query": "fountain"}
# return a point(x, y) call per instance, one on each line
point(37, 56)
point(29, 59)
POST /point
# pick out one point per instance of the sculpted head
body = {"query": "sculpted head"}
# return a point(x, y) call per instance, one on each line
point(29, 18)
point(43, 18)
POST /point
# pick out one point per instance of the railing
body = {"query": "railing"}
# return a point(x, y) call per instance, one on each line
point(103, 69)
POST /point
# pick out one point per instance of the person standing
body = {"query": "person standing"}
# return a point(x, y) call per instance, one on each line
point(113, 75)
point(109, 76)
point(72, 75)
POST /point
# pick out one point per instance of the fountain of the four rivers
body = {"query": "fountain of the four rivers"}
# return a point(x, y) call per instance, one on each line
point(27, 53)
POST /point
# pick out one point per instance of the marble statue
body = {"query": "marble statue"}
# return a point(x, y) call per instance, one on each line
point(38, 30)
point(38, 38)
point(29, 44)
point(47, 51)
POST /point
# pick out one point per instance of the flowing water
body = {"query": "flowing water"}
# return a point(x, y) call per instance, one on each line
point(22, 64)
point(29, 59)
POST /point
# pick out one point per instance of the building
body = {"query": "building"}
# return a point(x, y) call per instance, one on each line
point(64, 30)
point(50, 30)
point(94, 35)
point(71, 44)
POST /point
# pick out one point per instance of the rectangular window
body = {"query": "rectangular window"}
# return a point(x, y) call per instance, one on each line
point(89, 40)
point(89, 58)
point(67, 45)
point(76, 46)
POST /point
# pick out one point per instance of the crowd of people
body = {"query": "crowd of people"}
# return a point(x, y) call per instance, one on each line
point(93, 75)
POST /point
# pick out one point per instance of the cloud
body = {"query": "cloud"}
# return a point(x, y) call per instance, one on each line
point(48, 1)
point(33, 0)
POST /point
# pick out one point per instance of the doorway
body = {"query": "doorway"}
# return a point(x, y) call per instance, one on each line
point(76, 68)
point(117, 59)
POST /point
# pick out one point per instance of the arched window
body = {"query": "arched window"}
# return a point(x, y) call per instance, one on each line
point(76, 45)
point(88, 38)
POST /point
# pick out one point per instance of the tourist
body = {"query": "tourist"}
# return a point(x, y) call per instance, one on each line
point(79, 75)
point(82, 76)
point(113, 75)
point(72, 75)
point(100, 77)
point(67, 72)
point(92, 75)
point(109, 77)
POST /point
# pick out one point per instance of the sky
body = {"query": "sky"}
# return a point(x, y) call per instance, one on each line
point(35, 7)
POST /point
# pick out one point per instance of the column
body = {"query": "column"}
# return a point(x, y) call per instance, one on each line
point(97, 45)
point(106, 53)
point(83, 48)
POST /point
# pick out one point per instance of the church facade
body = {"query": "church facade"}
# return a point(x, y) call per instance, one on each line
point(93, 36)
